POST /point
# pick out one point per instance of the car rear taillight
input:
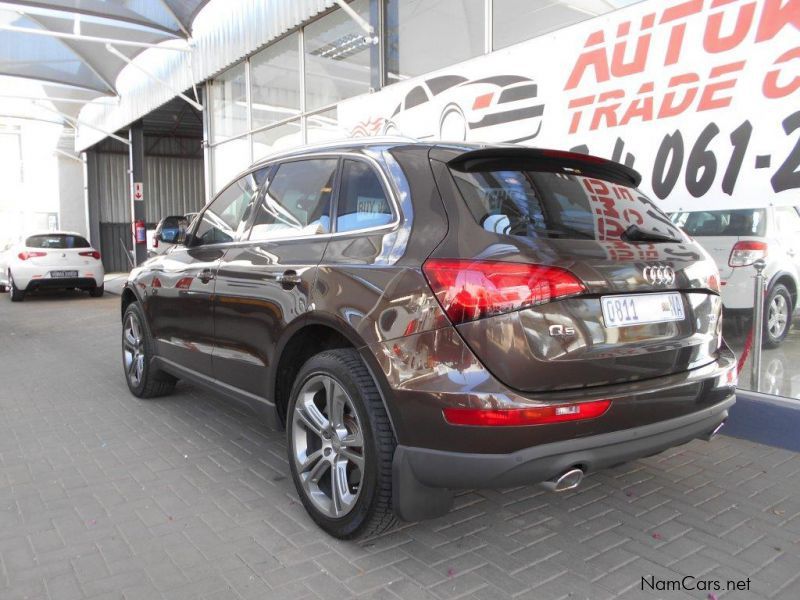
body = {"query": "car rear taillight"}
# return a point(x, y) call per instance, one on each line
point(473, 289)
point(745, 253)
point(517, 417)
point(93, 253)
point(30, 254)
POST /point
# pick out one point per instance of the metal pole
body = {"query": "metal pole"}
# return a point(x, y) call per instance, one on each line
point(136, 136)
point(758, 324)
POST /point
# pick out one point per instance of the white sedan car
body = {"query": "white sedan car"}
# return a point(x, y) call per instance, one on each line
point(52, 260)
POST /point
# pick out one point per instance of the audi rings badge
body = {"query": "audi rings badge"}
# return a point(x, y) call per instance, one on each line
point(659, 275)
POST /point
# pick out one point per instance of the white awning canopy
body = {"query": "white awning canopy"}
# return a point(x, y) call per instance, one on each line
point(76, 50)
point(53, 54)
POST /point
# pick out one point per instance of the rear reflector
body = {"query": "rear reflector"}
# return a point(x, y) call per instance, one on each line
point(745, 253)
point(33, 254)
point(517, 417)
point(472, 289)
point(94, 254)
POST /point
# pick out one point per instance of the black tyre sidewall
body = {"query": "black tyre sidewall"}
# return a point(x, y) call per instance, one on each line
point(16, 294)
point(769, 340)
point(350, 525)
point(139, 390)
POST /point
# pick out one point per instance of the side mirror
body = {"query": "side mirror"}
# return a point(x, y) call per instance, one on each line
point(171, 230)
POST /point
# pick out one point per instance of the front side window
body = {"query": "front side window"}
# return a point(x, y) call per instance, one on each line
point(226, 217)
point(297, 202)
point(57, 240)
point(362, 199)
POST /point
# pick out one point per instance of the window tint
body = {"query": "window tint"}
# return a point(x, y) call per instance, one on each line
point(57, 240)
point(226, 217)
point(536, 203)
point(362, 199)
point(707, 223)
point(297, 201)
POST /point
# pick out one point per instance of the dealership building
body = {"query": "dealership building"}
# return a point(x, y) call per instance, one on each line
point(697, 96)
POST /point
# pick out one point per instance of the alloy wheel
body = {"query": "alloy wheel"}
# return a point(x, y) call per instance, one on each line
point(133, 349)
point(328, 446)
point(778, 316)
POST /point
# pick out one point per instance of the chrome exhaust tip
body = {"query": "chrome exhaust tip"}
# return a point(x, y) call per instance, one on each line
point(712, 434)
point(568, 480)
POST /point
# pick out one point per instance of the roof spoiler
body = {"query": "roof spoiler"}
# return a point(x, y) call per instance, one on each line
point(477, 159)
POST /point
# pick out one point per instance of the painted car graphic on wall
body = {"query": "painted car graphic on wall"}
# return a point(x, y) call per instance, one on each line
point(454, 108)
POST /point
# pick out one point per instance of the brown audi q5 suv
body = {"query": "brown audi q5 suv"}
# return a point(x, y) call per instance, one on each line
point(428, 317)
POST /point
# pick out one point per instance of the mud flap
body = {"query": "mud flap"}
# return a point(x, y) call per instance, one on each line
point(412, 500)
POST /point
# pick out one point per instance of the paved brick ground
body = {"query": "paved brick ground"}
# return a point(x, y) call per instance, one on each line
point(105, 496)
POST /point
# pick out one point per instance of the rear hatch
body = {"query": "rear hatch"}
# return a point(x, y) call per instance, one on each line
point(59, 254)
point(559, 274)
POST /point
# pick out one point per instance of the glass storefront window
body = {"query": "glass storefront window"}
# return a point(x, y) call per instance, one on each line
point(324, 126)
point(229, 104)
point(425, 35)
point(337, 57)
point(519, 20)
point(271, 140)
point(275, 82)
point(228, 160)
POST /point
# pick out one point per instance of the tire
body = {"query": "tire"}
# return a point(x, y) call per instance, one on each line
point(97, 292)
point(365, 508)
point(16, 294)
point(144, 380)
point(777, 316)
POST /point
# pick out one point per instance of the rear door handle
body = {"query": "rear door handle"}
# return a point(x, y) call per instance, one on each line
point(205, 275)
point(288, 278)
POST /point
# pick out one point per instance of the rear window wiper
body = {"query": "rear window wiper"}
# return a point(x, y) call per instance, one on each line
point(634, 233)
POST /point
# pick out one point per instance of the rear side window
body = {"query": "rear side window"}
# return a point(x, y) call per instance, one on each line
point(297, 202)
point(531, 203)
point(57, 240)
point(362, 199)
point(708, 223)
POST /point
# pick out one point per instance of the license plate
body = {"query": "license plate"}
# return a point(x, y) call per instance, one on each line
point(60, 274)
point(621, 311)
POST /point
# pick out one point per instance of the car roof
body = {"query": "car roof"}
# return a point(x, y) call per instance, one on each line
point(355, 144)
point(452, 152)
point(59, 232)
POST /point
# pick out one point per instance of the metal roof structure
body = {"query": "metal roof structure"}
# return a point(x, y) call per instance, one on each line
point(102, 64)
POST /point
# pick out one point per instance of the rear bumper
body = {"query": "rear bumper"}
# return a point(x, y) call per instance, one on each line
point(61, 283)
point(422, 475)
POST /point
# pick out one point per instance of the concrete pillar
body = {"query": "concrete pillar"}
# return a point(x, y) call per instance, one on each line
point(138, 192)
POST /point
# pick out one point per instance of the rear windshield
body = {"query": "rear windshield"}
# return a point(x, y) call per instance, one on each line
point(722, 222)
point(56, 240)
point(532, 203)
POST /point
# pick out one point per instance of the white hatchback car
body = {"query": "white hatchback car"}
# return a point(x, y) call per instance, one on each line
point(55, 259)
point(736, 239)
